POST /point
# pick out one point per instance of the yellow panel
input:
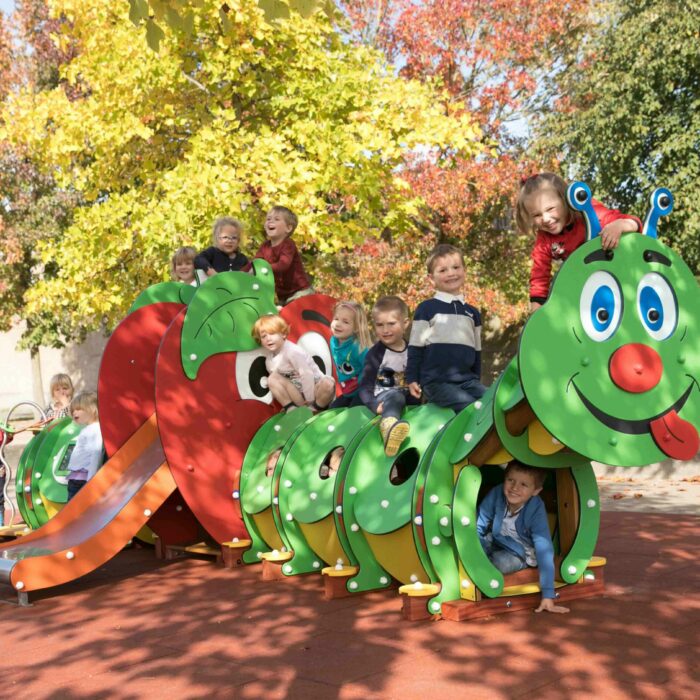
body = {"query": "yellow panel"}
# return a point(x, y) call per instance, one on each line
point(145, 534)
point(322, 537)
point(540, 441)
point(501, 457)
point(597, 561)
point(396, 552)
point(339, 571)
point(266, 526)
point(51, 507)
point(524, 588)
point(470, 592)
point(420, 591)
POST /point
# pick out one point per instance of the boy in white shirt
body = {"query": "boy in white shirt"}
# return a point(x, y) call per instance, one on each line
point(86, 457)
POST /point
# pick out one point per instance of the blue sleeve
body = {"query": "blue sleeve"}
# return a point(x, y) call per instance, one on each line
point(544, 550)
point(369, 376)
point(486, 513)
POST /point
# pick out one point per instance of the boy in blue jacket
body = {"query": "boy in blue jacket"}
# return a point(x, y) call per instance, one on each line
point(514, 531)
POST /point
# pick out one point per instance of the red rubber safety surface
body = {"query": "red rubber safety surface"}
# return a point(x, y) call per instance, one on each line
point(145, 628)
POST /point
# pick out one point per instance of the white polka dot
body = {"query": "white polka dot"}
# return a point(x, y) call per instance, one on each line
point(434, 498)
point(493, 583)
point(289, 517)
point(590, 503)
point(339, 509)
point(418, 585)
point(260, 489)
point(478, 405)
point(258, 555)
point(418, 520)
point(468, 437)
point(331, 428)
point(27, 489)
point(37, 475)
point(148, 512)
point(464, 520)
point(256, 287)
point(352, 585)
point(572, 569)
point(193, 357)
point(413, 578)
point(37, 501)
point(19, 585)
point(435, 540)
point(444, 521)
point(278, 428)
point(353, 490)
point(435, 606)
point(317, 565)
point(264, 270)
point(313, 496)
point(288, 484)
point(465, 583)
point(275, 500)
point(354, 527)
point(70, 555)
point(384, 504)
point(287, 569)
point(383, 580)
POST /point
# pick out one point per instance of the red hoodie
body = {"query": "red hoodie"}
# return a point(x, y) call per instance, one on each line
point(559, 246)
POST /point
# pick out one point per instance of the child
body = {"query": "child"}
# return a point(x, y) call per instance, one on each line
point(86, 457)
point(444, 351)
point(514, 531)
point(349, 345)
point(61, 388)
point(224, 255)
point(383, 386)
point(281, 252)
point(182, 266)
point(295, 379)
point(542, 207)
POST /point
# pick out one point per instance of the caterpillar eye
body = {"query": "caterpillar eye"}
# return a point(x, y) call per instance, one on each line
point(317, 346)
point(600, 306)
point(581, 196)
point(251, 376)
point(664, 201)
point(657, 306)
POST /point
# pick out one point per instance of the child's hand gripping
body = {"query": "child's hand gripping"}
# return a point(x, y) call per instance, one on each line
point(415, 390)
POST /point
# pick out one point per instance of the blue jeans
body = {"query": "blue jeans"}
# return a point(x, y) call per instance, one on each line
point(454, 395)
point(503, 559)
point(394, 401)
point(74, 485)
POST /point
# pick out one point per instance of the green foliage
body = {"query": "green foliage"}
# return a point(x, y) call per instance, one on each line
point(628, 117)
point(234, 114)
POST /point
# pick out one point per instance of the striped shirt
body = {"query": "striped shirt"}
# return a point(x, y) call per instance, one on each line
point(445, 342)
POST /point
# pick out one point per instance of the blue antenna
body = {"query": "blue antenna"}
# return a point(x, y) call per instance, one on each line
point(580, 199)
point(661, 205)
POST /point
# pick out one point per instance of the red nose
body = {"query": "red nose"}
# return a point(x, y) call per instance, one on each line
point(636, 368)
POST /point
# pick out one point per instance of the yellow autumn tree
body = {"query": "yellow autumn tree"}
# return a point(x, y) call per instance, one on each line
point(235, 112)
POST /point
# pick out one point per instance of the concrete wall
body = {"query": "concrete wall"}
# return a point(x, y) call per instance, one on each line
point(17, 378)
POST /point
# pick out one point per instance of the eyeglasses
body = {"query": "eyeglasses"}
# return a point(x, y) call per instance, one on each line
point(230, 239)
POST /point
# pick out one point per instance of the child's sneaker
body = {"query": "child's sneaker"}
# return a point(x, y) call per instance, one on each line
point(394, 432)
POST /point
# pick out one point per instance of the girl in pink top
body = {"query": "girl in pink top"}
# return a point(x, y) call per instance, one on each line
point(295, 379)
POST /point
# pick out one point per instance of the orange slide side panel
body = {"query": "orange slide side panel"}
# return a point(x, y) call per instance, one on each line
point(53, 569)
point(98, 521)
point(106, 477)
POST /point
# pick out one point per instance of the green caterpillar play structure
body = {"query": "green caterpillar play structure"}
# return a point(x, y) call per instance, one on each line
point(606, 370)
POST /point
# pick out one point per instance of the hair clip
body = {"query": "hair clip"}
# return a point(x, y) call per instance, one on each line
point(525, 178)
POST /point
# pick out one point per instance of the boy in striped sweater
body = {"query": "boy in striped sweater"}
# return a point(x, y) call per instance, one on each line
point(444, 350)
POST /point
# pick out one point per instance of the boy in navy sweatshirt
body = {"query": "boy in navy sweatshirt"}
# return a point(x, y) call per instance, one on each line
point(444, 350)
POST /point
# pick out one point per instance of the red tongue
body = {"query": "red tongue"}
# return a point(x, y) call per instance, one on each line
point(675, 437)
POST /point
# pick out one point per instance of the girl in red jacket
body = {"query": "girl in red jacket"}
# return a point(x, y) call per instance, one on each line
point(542, 208)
